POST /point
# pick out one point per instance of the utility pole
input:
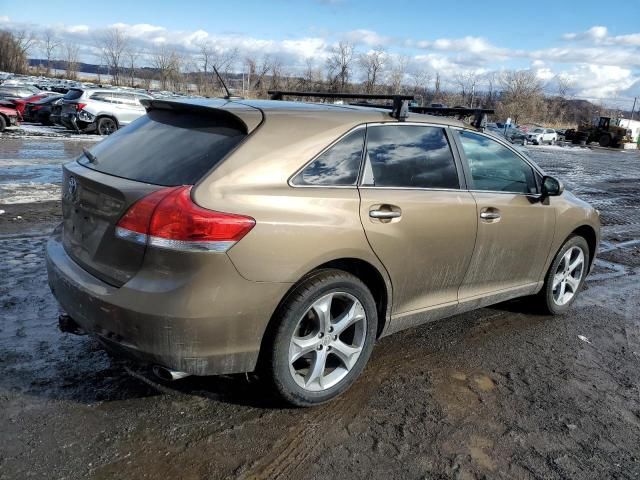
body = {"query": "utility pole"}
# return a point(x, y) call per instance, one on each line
point(633, 109)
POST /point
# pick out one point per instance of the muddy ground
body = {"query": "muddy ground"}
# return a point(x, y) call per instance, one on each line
point(496, 393)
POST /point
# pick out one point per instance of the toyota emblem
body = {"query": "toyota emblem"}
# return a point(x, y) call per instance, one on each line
point(72, 186)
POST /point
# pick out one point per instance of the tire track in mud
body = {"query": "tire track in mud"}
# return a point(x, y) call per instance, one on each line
point(291, 455)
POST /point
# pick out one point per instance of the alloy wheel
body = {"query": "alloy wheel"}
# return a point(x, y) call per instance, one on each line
point(327, 341)
point(107, 126)
point(568, 276)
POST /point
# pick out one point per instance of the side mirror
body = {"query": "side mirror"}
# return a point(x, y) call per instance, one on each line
point(551, 187)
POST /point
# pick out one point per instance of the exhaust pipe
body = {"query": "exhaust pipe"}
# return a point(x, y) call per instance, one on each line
point(167, 374)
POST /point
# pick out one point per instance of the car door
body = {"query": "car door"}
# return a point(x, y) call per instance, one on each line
point(515, 228)
point(419, 221)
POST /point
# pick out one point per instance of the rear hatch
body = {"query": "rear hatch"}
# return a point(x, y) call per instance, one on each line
point(70, 100)
point(174, 144)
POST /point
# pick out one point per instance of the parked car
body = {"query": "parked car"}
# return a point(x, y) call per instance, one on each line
point(538, 136)
point(40, 110)
point(100, 111)
point(8, 117)
point(513, 135)
point(21, 103)
point(217, 237)
point(55, 117)
point(18, 91)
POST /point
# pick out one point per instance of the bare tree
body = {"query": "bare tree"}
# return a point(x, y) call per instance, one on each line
point(466, 82)
point(71, 54)
point(372, 63)
point(257, 71)
point(420, 80)
point(436, 88)
point(276, 74)
point(131, 55)
point(49, 43)
point(14, 49)
point(166, 61)
point(490, 79)
point(212, 56)
point(397, 73)
point(339, 65)
point(521, 94)
point(113, 43)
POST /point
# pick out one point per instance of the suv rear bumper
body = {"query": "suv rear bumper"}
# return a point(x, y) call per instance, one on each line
point(71, 122)
point(154, 324)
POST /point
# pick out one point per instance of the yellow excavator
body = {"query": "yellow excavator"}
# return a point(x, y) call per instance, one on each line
point(606, 133)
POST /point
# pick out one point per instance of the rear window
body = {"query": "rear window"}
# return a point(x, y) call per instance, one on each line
point(166, 148)
point(73, 94)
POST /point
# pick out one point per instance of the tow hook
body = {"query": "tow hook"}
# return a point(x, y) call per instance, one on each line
point(66, 324)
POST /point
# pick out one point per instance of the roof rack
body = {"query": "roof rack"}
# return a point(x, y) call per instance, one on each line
point(479, 114)
point(399, 109)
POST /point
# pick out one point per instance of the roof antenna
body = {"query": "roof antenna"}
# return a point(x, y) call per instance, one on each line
point(228, 96)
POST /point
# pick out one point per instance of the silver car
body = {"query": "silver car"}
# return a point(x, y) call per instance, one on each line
point(99, 110)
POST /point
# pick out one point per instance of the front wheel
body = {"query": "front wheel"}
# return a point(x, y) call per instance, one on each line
point(326, 331)
point(565, 276)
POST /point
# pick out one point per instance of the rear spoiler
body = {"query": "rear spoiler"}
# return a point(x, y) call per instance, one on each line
point(179, 106)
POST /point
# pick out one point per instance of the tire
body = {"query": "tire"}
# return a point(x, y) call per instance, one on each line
point(605, 140)
point(106, 126)
point(550, 299)
point(3, 124)
point(296, 380)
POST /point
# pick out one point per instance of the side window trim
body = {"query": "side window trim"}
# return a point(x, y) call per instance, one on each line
point(328, 147)
point(449, 136)
point(467, 171)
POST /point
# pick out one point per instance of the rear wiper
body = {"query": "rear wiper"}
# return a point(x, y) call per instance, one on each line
point(92, 158)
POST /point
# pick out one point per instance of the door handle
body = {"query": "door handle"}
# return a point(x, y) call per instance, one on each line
point(490, 214)
point(384, 214)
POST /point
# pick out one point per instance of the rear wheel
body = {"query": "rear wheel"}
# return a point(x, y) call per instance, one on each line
point(565, 276)
point(3, 124)
point(106, 126)
point(325, 335)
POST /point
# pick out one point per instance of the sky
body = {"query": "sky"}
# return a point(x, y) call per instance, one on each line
point(595, 49)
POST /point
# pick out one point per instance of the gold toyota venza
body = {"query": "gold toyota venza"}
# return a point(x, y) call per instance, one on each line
point(225, 236)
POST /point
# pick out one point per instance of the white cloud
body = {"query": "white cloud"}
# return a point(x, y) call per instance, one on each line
point(77, 29)
point(597, 63)
point(595, 33)
point(367, 37)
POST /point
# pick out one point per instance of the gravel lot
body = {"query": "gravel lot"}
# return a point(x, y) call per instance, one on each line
point(496, 393)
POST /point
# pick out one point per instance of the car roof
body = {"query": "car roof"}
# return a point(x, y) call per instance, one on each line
point(349, 114)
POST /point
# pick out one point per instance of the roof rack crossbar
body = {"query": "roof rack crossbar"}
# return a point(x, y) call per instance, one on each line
point(399, 110)
point(479, 114)
point(278, 94)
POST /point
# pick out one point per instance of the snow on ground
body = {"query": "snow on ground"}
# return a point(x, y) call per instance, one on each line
point(31, 160)
point(28, 129)
point(11, 193)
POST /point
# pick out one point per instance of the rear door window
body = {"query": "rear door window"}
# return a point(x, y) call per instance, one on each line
point(409, 156)
point(337, 166)
point(166, 148)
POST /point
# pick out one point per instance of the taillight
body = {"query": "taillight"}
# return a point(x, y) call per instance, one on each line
point(80, 106)
point(168, 218)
